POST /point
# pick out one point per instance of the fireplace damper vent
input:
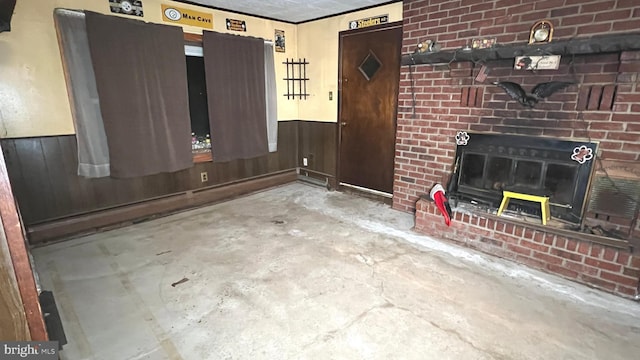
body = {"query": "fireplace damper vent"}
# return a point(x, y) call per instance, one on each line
point(491, 163)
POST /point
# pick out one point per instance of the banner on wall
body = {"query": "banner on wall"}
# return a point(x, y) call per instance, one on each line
point(376, 20)
point(129, 7)
point(184, 16)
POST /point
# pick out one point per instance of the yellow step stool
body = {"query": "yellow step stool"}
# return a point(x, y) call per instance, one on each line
point(543, 200)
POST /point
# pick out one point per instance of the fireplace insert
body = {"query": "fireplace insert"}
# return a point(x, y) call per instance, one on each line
point(557, 168)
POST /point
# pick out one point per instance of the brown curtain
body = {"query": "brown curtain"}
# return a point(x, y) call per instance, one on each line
point(234, 68)
point(141, 79)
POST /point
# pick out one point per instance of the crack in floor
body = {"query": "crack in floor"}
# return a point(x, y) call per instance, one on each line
point(453, 332)
point(328, 335)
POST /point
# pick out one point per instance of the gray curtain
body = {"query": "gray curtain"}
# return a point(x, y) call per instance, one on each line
point(141, 78)
point(234, 68)
point(271, 97)
point(93, 152)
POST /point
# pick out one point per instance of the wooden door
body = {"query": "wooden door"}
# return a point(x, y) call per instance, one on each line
point(368, 98)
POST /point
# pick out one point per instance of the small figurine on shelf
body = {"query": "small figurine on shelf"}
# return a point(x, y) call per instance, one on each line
point(427, 46)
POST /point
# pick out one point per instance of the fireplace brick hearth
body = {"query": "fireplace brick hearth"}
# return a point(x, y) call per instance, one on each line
point(605, 267)
point(436, 101)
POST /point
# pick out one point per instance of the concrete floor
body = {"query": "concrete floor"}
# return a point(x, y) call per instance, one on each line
point(297, 272)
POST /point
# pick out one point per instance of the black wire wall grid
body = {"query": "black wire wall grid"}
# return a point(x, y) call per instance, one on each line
point(296, 78)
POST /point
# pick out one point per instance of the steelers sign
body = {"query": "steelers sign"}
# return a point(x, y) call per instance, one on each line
point(357, 24)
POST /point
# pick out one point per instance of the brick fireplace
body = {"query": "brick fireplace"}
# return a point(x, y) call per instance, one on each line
point(594, 235)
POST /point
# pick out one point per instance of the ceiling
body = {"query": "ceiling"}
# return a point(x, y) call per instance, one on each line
point(293, 11)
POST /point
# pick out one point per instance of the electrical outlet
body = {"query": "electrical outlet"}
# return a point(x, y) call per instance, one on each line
point(204, 177)
point(305, 161)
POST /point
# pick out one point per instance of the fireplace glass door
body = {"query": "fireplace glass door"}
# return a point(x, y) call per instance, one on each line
point(491, 163)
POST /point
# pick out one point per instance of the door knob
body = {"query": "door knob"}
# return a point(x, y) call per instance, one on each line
point(344, 123)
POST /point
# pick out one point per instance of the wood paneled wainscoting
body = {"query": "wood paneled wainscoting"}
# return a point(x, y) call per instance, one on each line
point(55, 202)
point(318, 142)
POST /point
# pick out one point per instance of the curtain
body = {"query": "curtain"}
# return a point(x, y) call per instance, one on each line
point(234, 70)
point(93, 152)
point(6, 12)
point(141, 78)
point(271, 96)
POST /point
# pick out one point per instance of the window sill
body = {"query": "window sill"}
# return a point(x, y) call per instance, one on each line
point(200, 156)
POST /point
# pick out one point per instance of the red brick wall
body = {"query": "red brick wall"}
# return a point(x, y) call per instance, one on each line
point(453, 23)
point(603, 106)
point(425, 141)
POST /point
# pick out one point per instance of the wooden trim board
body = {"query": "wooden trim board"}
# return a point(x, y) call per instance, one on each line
point(20, 257)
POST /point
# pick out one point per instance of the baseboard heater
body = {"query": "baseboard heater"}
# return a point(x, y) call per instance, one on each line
point(103, 219)
point(317, 178)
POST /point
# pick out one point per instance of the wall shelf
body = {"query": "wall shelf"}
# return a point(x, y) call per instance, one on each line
point(592, 45)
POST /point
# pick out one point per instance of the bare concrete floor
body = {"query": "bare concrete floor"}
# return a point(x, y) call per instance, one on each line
point(297, 272)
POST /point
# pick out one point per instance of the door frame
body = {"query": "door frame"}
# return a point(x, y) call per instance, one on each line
point(341, 35)
point(19, 254)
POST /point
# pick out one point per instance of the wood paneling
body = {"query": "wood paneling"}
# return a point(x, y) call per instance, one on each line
point(136, 212)
point(318, 143)
point(43, 173)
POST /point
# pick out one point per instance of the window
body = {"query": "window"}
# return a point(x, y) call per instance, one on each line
point(200, 103)
point(198, 106)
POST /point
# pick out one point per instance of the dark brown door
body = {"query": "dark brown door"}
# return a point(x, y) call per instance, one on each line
point(369, 79)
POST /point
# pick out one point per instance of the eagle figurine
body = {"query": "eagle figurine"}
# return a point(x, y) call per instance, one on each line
point(539, 92)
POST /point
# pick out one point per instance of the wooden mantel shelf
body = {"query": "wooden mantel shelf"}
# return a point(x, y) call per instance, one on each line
point(592, 45)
